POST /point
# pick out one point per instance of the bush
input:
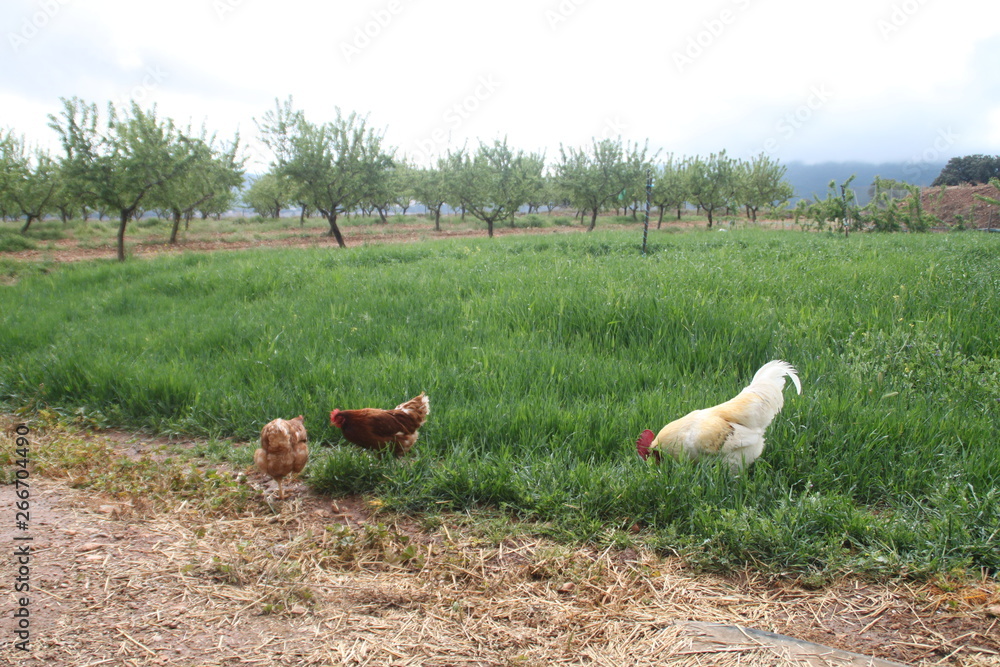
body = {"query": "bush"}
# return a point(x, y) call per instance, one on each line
point(15, 243)
point(532, 220)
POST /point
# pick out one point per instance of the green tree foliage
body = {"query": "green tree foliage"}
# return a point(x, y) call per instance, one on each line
point(669, 188)
point(971, 169)
point(761, 183)
point(896, 205)
point(456, 170)
point(268, 194)
point(594, 179)
point(335, 166)
point(208, 183)
point(124, 164)
point(395, 190)
point(404, 176)
point(431, 190)
point(711, 182)
point(28, 180)
point(840, 207)
point(497, 181)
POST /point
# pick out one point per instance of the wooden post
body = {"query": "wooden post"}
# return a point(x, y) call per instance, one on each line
point(649, 194)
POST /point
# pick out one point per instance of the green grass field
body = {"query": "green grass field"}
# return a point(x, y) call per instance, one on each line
point(545, 356)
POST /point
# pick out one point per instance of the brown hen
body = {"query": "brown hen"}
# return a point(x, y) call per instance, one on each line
point(283, 450)
point(395, 429)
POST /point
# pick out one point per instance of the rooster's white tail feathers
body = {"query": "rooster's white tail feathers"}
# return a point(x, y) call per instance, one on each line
point(773, 372)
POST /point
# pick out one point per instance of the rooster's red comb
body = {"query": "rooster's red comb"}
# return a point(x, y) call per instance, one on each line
point(642, 444)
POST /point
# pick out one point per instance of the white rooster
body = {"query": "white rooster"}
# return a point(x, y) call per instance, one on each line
point(734, 430)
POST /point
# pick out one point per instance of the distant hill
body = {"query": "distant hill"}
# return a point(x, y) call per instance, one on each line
point(810, 180)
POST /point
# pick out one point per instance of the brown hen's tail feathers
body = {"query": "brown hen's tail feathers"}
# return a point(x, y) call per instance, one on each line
point(418, 405)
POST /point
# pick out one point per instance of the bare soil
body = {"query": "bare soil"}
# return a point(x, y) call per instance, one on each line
point(126, 579)
point(71, 250)
point(961, 200)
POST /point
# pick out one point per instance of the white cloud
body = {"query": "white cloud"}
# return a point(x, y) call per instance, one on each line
point(601, 65)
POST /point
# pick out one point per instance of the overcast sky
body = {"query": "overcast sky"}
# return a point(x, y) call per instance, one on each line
point(874, 80)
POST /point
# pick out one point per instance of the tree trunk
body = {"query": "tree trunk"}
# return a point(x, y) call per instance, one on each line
point(660, 221)
point(709, 212)
point(593, 220)
point(381, 215)
point(437, 219)
point(125, 216)
point(678, 212)
point(489, 226)
point(27, 223)
point(331, 217)
point(302, 216)
point(176, 227)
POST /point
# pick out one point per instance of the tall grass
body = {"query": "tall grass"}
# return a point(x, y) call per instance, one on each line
point(545, 356)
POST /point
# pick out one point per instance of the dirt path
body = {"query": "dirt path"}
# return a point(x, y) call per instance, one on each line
point(70, 250)
point(144, 578)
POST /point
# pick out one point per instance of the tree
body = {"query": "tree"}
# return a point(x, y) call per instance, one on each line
point(404, 178)
point(395, 189)
point(456, 170)
point(29, 179)
point(268, 194)
point(711, 182)
point(635, 168)
point(971, 169)
point(431, 190)
point(124, 166)
point(334, 166)
point(761, 182)
point(67, 200)
point(592, 179)
point(839, 206)
point(498, 182)
point(206, 185)
point(539, 185)
point(669, 190)
point(897, 203)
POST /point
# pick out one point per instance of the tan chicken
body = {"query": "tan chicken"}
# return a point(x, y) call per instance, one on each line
point(734, 430)
point(283, 450)
point(376, 429)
